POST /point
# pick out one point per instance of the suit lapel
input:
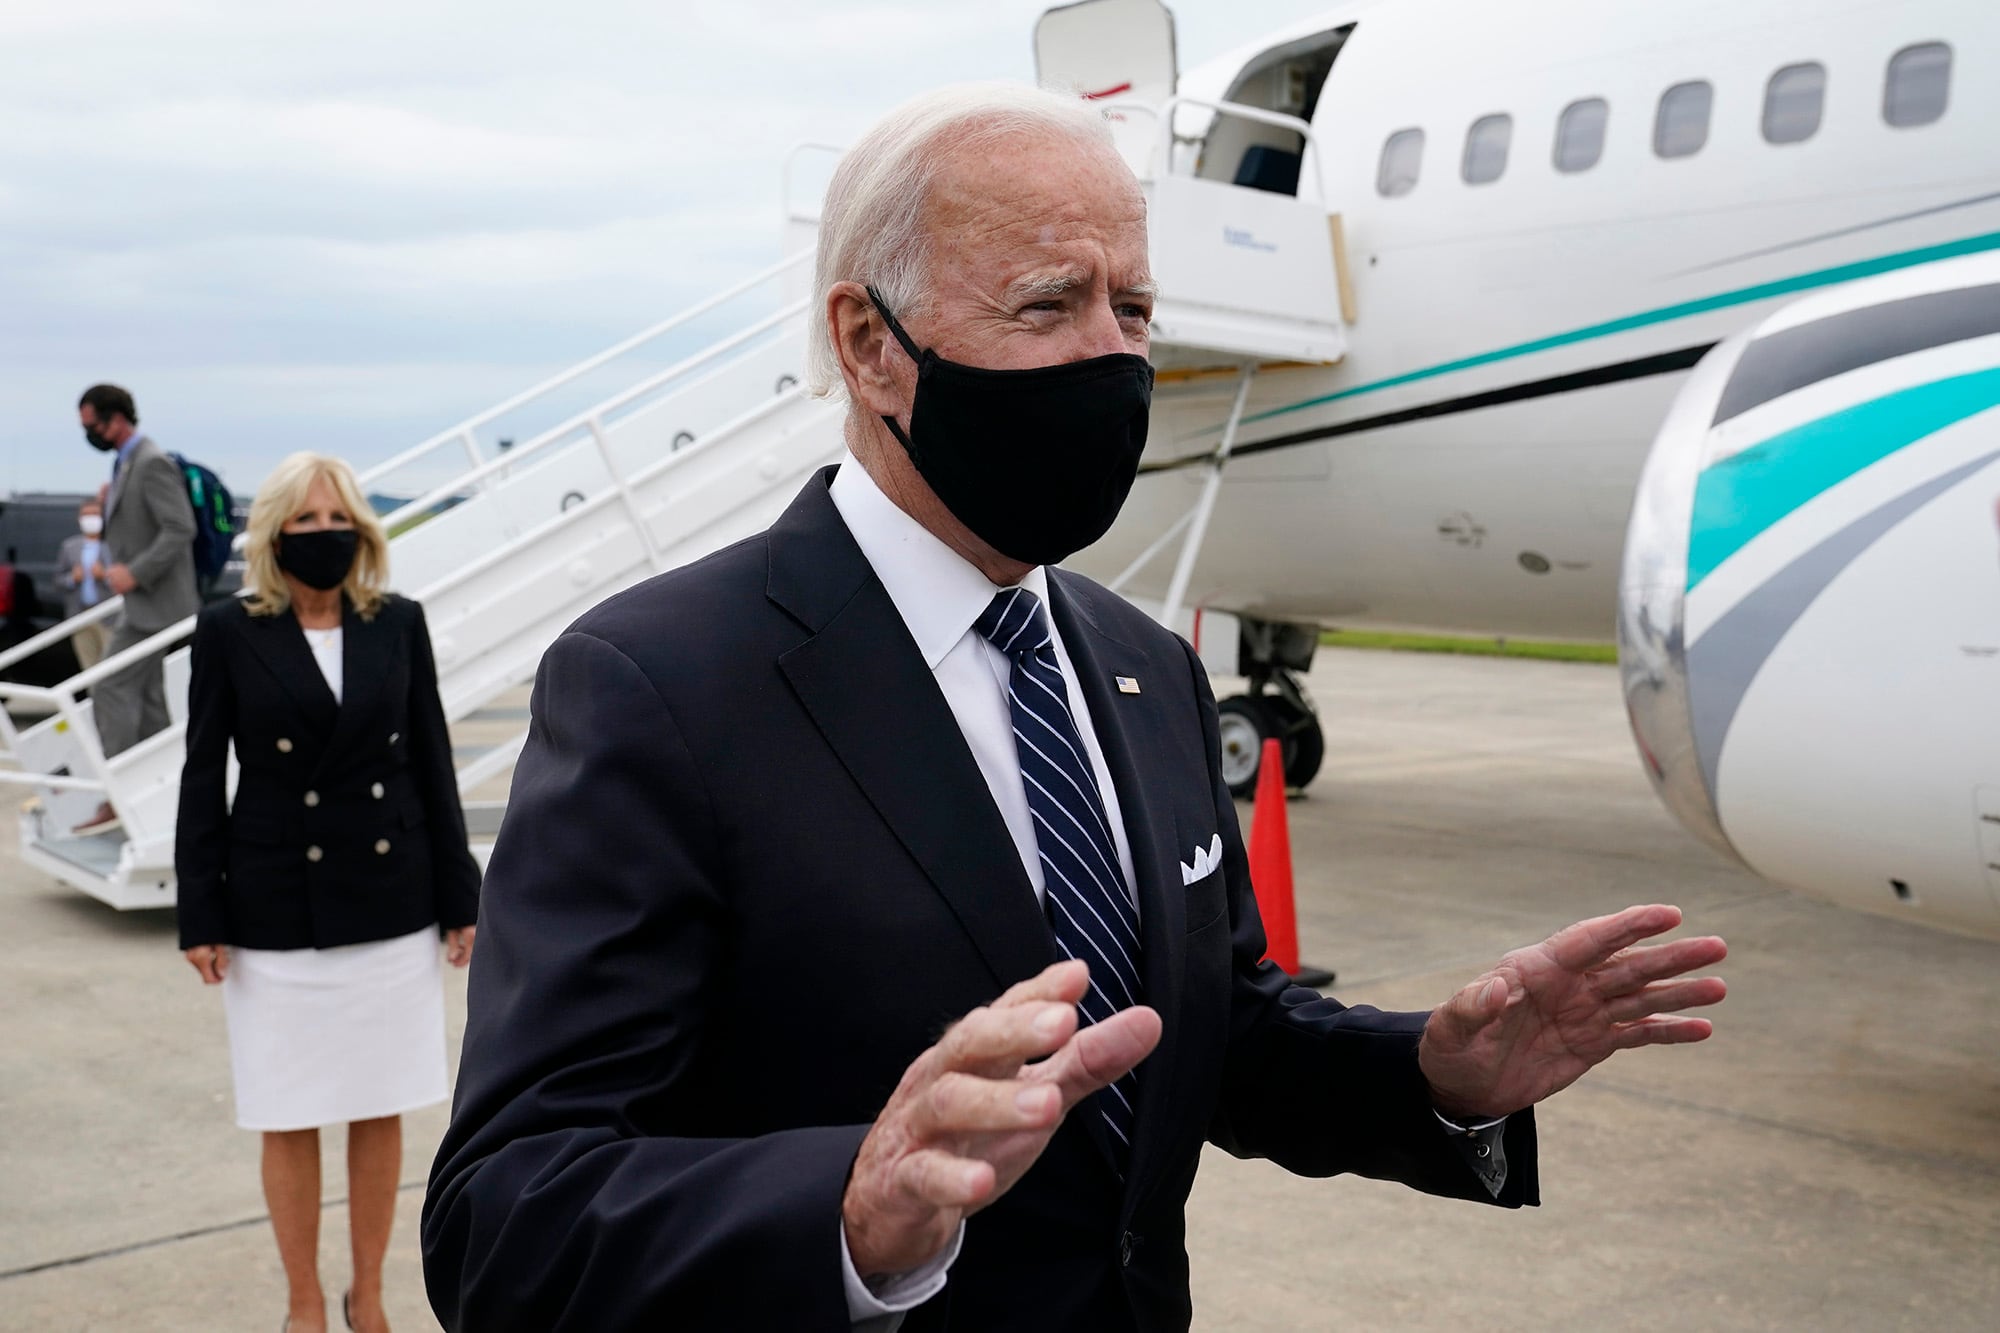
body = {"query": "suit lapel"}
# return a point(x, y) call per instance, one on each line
point(364, 660)
point(868, 690)
point(1125, 725)
point(281, 645)
point(120, 474)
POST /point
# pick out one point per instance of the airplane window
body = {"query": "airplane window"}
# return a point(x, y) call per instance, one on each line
point(1486, 149)
point(1919, 85)
point(1681, 128)
point(1580, 134)
point(1793, 103)
point(1402, 159)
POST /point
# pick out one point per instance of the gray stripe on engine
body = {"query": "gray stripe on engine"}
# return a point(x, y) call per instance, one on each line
point(1791, 359)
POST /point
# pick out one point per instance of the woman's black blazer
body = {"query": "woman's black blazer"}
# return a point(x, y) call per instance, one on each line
point(346, 825)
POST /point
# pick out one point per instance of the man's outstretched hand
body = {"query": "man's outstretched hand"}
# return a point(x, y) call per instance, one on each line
point(1547, 1013)
point(972, 1114)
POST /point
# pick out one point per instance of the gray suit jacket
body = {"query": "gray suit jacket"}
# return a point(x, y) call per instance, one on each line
point(149, 528)
point(69, 558)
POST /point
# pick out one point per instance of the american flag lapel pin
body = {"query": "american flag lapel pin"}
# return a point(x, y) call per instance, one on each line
point(1127, 684)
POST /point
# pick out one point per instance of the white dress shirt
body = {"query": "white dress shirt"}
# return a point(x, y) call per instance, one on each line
point(940, 594)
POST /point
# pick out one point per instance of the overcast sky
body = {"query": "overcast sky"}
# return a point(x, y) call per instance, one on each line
point(347, 225)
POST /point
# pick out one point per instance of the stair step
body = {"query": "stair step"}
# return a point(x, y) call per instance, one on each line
point(98, 855)
point(498, 713)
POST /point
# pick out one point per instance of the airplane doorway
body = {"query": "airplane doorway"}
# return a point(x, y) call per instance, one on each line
point(1287, 79)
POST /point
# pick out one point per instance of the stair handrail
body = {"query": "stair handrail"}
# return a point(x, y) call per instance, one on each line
point(59, 631)
point(463, 430)
point(485, 562)
point(1160, 160)
point(68, 705)
point(567, 428)
point(66, 691)
point(64, 698)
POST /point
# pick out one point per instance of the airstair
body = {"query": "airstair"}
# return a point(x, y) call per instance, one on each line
point(504, 547)
point(507, 543)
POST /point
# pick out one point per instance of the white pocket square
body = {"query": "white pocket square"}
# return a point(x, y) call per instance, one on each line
point(1206, 859)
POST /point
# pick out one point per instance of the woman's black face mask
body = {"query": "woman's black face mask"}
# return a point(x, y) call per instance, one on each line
point(1036, 463)
point(319, 559)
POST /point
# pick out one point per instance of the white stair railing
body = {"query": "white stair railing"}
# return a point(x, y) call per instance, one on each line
point(465, 434)
point(708, 449)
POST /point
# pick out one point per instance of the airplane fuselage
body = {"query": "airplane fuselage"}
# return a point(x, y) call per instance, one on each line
point(1514, 343)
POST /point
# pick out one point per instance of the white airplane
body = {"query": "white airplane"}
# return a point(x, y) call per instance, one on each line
point(1432, 273)
point(1548, 216)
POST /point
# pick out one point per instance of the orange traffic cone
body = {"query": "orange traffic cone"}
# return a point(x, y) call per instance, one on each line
point(1271, 870)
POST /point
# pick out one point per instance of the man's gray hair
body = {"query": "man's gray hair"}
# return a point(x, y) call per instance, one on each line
point(871, 226)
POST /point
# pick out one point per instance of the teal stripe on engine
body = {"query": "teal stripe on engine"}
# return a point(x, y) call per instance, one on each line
point(1801, 282)
point(1743, 495)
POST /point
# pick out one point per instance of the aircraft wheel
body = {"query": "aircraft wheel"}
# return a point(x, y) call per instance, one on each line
point(1243, 722)
point(1299, 732)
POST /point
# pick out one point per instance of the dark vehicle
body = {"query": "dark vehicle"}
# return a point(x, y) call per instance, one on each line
point(32, 528)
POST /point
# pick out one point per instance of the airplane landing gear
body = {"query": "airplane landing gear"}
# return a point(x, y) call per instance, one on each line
point(1275, 707)
point(1248, 720)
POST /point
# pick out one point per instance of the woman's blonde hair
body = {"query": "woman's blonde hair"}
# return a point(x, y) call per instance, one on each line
point(281, 496)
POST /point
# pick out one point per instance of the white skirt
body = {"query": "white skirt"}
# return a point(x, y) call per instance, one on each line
point(327, 1036)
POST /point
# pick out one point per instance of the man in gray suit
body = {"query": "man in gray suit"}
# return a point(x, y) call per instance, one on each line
point(149, 529)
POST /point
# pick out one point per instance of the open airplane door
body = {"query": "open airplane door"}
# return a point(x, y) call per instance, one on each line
point(1112, 52)
point(1247, 273)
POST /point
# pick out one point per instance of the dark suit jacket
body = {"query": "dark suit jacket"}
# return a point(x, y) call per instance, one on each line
point(149, 528)
point(346, 826)
point(749, 872)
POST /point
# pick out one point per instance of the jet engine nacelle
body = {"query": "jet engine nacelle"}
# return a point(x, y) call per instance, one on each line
point(1809, 613)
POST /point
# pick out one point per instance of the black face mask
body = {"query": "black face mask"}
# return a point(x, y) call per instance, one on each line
point(97, 440)
point(1037, 463)
point(319, 559)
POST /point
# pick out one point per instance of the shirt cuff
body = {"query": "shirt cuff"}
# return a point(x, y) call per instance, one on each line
point(1482, 1144)
point(879, 1306)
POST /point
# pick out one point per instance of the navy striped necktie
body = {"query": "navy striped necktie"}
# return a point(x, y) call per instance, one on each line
point(1089, 907)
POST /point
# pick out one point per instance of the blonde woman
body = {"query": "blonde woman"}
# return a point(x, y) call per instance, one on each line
point(315, 900)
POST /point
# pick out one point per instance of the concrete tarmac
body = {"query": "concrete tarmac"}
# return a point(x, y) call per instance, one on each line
point(1831, 1160)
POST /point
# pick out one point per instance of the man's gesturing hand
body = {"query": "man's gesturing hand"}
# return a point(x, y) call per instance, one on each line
point(1547, 1013)
point(971, 1115)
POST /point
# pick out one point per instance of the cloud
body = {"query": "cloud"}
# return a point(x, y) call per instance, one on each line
point(351, 224)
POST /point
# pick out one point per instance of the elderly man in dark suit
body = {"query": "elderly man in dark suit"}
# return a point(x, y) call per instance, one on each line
point(149, 529)
point(871, 937)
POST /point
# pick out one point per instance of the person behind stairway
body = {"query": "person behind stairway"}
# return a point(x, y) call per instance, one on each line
point(149, 528)
point(788, 812)
point(80, 574)
point(315, 901)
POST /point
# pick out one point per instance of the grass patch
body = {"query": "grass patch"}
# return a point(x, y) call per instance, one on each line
point(1383, 641)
